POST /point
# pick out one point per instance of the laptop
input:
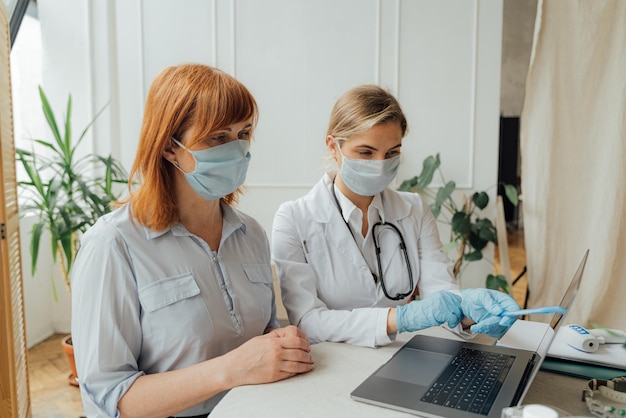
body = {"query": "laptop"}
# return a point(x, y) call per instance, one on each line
point(438, 377)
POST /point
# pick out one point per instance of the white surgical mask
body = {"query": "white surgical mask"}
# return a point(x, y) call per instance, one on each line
point(368, 177)
point(219, 170)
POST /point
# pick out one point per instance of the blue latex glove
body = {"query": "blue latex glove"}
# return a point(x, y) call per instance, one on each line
point(484, 307)
point(436, 309)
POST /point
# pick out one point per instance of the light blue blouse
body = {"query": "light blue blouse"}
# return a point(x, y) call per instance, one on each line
point(147, 301)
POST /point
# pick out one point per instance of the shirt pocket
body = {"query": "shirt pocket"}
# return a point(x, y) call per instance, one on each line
point(168, 291)
point(260, 276)
point(165, 302)
point(317, 255)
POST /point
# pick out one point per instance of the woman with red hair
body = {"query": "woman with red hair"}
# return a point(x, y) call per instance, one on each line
point(172, 301)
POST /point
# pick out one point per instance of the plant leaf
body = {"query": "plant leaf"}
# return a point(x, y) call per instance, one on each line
point(35, 239)
point(461, 224)
point(67, 245)
point(511, 193)
point(82, 135)
point(49, 114)
point(485, 229)
point(32, 172)
point(435, 210)
point(473, 256)
point(55, 294)
point(429, 167)
point(497, 282)
point(444, 193)
point(481, 200)
point(476, 242)
point(449, 246)
point(67, 138)
point(408, 185)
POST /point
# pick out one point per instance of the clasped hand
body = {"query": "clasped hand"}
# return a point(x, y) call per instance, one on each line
point(277, 355)
point(485, 307)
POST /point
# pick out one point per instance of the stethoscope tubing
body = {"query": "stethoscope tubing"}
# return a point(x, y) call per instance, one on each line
point(398, 296)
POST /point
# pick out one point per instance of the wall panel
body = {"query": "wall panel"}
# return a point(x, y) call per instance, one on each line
point(130, 75)
point(296, 63)
point(167, 41)
point(436, 84)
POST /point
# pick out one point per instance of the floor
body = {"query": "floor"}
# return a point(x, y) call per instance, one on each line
point(53, 397)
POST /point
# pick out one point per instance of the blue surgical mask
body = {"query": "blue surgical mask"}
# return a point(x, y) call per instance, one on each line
point(368, 177)
point(219, 170)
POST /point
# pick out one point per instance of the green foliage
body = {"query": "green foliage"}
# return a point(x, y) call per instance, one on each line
point(497, 282)
point(470, 233)
point(66, 194)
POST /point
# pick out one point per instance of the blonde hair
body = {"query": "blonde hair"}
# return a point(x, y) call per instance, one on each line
point(190, 96)
point(361, 108)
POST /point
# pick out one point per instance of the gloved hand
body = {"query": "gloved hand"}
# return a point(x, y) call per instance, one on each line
point(484, 307)
point(436, 309)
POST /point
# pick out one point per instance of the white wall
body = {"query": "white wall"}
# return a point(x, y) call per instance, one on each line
point(47, 301)
point(441, 59)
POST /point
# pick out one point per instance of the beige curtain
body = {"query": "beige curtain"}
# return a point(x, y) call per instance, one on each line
point(573, 147)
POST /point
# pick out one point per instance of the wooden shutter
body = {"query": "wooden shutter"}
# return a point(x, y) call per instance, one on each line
point(14, 391)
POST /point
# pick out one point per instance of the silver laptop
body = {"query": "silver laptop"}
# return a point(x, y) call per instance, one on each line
point(439, 377)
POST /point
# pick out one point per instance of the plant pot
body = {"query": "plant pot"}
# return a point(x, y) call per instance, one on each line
point(68, 348)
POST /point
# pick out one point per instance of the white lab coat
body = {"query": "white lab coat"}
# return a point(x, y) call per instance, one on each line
point(327, 287)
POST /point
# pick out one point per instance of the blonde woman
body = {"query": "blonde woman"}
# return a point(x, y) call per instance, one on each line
point(352, 253)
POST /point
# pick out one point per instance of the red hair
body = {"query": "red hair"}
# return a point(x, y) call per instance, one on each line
point(190, 96)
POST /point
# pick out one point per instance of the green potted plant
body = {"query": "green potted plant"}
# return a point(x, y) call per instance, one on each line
point(470, 233)
point(65, 192)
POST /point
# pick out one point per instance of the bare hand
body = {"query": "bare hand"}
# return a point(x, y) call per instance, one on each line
point(277, 355)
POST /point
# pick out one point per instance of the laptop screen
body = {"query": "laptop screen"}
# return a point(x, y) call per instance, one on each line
point(570, 294)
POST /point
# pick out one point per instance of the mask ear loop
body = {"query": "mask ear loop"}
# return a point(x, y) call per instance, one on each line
point(175, 163)
point(180, 144)
point(337, 148)
point(177, 166)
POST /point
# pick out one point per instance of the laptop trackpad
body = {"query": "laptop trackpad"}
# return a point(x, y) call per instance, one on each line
point(415, 366)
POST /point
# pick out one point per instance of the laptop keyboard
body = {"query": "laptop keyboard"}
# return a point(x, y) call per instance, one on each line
point(471, 381)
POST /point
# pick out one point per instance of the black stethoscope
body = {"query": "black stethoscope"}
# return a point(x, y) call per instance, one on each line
point(377, 248)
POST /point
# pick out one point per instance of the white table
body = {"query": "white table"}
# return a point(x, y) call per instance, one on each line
point(340, 368)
